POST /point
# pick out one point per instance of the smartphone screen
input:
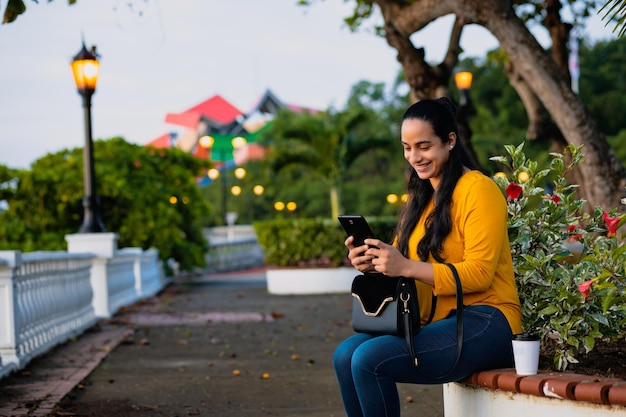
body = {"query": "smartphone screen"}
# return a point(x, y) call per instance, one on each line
point(356, 225)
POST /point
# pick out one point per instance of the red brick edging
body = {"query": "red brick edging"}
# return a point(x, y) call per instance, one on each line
point(577, 387)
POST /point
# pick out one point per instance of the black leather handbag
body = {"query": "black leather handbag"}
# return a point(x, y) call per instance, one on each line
point(379, 303)
point(386, 305)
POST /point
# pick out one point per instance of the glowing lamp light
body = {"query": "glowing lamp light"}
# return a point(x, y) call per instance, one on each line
point(258, 189)
point(206, 141)
point(235, 190)
point(240, 173)
point(238, 142)
point(523, 176)
point(213, 173)
point(463, 80)
point(85, 68)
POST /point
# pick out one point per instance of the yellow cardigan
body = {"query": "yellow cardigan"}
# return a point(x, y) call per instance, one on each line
point(478, 246)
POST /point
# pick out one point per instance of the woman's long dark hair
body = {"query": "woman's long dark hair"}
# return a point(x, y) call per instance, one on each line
point(441, 114)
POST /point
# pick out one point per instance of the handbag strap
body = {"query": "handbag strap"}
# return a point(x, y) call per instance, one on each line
point(459, 320)
point(408, 330)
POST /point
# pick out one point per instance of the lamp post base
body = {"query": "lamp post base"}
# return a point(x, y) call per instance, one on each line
point(92, 223)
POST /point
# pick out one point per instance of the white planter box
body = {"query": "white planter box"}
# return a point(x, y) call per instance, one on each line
point(310, 280)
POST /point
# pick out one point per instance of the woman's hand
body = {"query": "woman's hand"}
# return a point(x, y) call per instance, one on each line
point(386, 259)
point(359, 259)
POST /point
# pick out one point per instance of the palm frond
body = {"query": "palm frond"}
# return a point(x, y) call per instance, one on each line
point(615, 11)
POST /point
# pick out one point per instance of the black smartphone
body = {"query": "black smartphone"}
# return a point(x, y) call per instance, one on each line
point(356, 225)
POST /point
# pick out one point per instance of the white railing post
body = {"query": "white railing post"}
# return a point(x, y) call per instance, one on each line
point(9, 261)
point(103, 246)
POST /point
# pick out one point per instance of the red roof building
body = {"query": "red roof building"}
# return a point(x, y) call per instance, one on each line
point(216, 109)
point(163, 141)
point(218, 118)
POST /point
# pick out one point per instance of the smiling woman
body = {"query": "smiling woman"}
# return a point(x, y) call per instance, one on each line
point(453, 215)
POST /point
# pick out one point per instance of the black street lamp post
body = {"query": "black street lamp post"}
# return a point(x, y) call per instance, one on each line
point(208, 142)
point(85, 68)
point(463, 81)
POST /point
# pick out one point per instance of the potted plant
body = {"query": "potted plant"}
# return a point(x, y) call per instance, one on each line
point(304, 256)
point(569, 262)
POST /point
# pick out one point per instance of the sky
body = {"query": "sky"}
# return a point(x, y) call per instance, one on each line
point(166, 56)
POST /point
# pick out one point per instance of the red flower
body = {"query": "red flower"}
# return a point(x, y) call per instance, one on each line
point(513, 191)
point(585, 287)
point(555, 198)
point(611, 223)
point(571, 229)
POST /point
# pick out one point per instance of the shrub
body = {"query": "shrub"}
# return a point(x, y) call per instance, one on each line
point(569, 265)
point(309, 242)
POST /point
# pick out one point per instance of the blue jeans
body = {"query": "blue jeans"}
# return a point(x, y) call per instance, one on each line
point(368, 367)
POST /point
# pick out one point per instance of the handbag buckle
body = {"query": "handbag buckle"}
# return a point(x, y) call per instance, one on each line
point(405, 297)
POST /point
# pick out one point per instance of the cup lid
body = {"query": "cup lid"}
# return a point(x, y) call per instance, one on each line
point(526, 337)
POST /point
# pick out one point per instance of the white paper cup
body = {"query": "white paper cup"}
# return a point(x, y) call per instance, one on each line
point(526, 353)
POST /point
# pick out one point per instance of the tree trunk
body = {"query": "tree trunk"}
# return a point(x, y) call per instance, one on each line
point(603, 175)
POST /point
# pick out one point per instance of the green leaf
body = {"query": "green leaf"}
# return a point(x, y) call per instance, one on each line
point(600, 318)
point(547, 311)
point(503, 160)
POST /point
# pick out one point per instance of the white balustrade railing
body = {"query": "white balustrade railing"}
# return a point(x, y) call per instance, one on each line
point(232, 248)
point(46, 298)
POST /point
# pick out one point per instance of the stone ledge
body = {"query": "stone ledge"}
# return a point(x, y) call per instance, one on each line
point(564, 385)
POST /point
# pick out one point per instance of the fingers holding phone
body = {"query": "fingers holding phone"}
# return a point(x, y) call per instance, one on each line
point(358, 230)
point(358, 258)
point(386, 258)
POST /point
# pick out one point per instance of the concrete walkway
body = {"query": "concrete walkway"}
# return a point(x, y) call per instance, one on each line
point(216, 345)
